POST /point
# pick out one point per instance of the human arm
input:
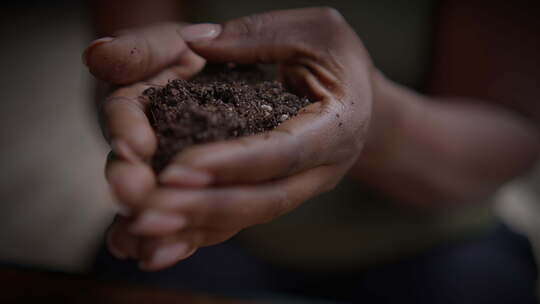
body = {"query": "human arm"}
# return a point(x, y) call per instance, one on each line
point(436, 151)
point(483, 101)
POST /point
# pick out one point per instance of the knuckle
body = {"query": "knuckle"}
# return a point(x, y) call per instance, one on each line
point(332, 39)
point(257, 27)
point(331, 16)
point(252, 25)
point(247, 26)
point(336, 30)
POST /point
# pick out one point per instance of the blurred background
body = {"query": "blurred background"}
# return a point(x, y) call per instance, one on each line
point(55, 205)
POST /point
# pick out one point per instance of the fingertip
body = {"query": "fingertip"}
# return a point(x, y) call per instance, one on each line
point(116, 61)
point(129, 129)
point(133, 141)
point(93, 45)
point(122, 149)
point(166, 255)
point(142, 141)
point(130, 182)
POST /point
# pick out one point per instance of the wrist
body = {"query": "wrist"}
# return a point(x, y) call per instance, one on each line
point(396, 111)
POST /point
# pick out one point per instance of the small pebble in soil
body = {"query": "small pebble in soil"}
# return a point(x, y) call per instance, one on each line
point(266, 107)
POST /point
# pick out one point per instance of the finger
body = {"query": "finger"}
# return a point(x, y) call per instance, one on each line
point(140, 53)
point(235, 207)
point(161, 252)
point(158, 223)
point(129, 181)
point(124, 119)
point(120, 242)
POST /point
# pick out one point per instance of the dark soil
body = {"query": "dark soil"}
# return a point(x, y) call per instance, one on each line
point(222, 102)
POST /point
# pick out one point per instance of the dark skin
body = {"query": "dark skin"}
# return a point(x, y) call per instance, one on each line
point(362, 124)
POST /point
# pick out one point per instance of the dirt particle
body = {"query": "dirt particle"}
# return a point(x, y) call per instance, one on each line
point(266, 108)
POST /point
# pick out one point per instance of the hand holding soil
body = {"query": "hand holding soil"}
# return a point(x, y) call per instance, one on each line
point(207, 193)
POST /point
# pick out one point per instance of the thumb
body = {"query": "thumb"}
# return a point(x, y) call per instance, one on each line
point(140, 53)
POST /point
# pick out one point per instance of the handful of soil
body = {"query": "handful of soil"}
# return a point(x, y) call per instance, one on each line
point(222, 102)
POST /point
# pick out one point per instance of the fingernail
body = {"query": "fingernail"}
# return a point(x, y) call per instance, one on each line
point(122, 149)
point(180, 176)
point(92, 45)
point(165, 256)
point(155, 221)
point(200, 32)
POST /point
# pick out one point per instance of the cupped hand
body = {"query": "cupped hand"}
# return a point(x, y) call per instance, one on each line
point(210, 192)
